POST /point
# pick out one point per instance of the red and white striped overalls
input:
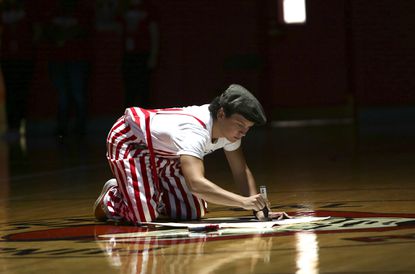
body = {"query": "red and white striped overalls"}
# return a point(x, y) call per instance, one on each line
point(150, 181)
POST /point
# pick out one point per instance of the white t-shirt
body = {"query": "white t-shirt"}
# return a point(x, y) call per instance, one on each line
point(180, 133)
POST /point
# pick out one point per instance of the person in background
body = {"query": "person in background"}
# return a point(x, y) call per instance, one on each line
point(67, 32)
point(141, 45)
point(17, 58)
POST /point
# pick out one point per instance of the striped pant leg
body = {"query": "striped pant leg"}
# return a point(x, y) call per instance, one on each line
point(137, 199)
point(178, 200)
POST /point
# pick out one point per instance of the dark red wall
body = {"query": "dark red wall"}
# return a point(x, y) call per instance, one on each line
point(201, 42)
point(307, 63)
point(383, 39)
point(358, 47)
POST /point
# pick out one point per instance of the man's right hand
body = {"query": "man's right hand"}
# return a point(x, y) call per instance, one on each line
point(255, 202)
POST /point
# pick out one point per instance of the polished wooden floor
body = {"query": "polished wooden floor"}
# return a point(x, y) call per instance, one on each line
point(363, 179)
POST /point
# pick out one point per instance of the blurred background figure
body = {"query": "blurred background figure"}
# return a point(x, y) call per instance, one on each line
point(106, 12)
point(67, 31)
point(17, 62)
point(141, 45)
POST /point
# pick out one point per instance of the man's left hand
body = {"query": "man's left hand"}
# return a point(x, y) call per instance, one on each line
point(271, 216)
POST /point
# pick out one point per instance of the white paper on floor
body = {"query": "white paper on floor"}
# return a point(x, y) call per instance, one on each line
point(239, 224)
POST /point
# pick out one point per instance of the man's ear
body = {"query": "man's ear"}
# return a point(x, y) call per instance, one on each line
point(220, 114)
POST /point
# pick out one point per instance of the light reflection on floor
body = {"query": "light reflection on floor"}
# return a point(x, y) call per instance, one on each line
point(307, 253)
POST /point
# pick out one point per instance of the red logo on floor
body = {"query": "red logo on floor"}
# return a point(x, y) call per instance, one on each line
point(340, 222)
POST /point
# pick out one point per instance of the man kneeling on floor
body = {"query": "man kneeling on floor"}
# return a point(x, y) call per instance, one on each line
point(157, 156)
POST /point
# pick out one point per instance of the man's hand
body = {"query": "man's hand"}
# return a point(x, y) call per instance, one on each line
point(254, 202)
point(278, 215)
point(271, 216)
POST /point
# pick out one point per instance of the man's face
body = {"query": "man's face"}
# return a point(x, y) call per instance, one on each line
point(233, 127)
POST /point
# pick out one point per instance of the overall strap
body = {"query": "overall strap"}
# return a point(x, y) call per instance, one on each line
point(142, 120)
point(150, 147)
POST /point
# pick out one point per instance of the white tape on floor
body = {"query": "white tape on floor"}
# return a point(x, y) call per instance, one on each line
point(233, 224)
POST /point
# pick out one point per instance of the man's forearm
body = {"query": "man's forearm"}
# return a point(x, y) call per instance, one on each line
point(206, 190)
point(193, 172)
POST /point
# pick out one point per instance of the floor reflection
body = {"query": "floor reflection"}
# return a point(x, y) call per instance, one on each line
point(179, 251)
point(307, 253)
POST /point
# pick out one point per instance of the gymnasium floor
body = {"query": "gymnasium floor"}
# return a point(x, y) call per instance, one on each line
point(363, 179)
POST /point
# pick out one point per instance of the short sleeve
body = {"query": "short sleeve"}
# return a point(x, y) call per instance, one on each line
point(192, 142)
point(232, 146)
